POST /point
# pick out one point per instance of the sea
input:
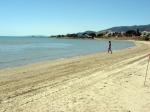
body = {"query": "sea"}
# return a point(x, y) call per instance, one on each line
point(22, 50)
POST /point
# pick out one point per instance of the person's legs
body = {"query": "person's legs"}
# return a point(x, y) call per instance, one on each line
point(109, 50)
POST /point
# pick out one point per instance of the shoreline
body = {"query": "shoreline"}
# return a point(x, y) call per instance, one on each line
point(96, 82)
point(66, 58)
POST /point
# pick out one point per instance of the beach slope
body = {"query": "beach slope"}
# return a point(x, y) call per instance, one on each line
point(95, 83)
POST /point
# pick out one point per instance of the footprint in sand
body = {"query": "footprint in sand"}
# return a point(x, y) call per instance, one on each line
point(130, 74)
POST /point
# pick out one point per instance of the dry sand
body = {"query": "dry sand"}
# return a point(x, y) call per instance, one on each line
point(95, 83)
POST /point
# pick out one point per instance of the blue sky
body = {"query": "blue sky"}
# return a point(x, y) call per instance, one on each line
point(47, 17)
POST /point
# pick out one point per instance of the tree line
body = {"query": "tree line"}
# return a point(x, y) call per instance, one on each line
point(135, 34)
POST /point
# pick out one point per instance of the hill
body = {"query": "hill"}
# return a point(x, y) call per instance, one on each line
point(126, 28)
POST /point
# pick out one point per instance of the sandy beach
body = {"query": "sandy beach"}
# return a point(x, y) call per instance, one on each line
point(99, 82)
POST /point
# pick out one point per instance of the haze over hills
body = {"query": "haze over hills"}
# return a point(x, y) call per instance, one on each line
point(114, 31)
point(122, 29)
point(126, 28)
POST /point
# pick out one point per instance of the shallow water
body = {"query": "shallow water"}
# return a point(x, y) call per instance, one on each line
point(16, 51)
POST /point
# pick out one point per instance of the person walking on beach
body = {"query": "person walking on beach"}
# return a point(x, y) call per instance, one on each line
point(109, 47)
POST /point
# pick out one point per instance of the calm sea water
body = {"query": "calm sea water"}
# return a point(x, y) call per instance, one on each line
point(16, 51)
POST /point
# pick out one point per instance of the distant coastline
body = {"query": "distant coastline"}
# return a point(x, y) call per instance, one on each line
point(141, 32)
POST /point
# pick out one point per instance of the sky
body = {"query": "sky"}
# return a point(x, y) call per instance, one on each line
point(51, 17)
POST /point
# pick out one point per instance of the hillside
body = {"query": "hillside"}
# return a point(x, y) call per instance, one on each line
point(127, 31)
point(126, 28)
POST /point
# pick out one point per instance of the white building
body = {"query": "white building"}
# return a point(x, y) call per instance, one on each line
point(145, 33)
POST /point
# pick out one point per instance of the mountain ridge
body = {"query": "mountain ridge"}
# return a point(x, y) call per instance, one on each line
point(126, 28)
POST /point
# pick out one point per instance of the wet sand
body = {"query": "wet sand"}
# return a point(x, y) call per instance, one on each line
point(94, 83)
